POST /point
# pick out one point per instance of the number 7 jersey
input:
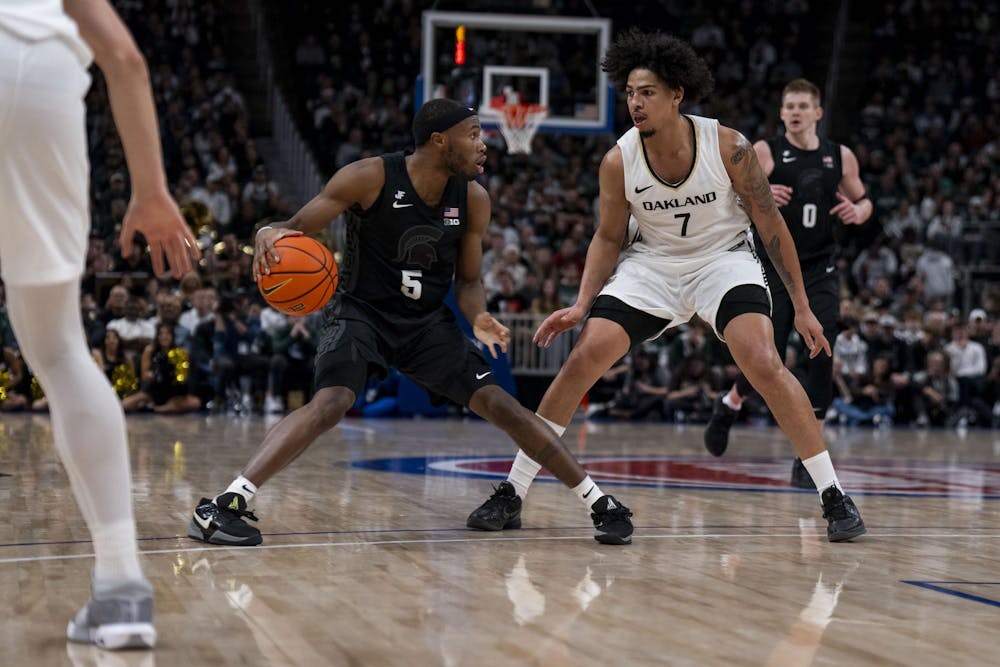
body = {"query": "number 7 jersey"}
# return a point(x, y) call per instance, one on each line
point(689, 220)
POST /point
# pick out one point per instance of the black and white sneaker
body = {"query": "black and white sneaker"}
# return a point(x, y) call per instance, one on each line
point(801, 479)
point(612, 521)
point(717, 431)
point(220, 521)
point(843, 518)
point(502, 510)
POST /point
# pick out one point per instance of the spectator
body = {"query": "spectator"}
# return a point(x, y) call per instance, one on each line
point(165, 370)
point(851, 350)
point(136, 333)
point(118, 366)
point(644, 390)
point(936, 391)
point(168, 312)
point(262, 192)
point(937, 270)
point(967, 359)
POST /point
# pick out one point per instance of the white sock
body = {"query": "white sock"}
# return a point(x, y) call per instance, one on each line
point(522, 473)
point(524, 469)
point(821, 470)
point(734, 403)
point(117, 555)
point(242, 486)
point(588, 492)
point(88, 424)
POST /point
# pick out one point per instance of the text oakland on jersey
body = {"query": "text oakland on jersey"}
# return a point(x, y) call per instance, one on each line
point(676, 202)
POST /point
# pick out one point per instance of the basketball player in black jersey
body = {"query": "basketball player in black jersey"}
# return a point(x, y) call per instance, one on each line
point(418, 225)
point(816, 184)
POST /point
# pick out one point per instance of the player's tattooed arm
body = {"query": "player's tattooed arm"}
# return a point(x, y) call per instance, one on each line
point(750, 184)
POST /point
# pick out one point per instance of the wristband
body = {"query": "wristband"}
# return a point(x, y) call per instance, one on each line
point(262, 229)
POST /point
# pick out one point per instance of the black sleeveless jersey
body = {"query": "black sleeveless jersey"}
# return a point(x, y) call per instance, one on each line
point(400, 256)
point(814, 177)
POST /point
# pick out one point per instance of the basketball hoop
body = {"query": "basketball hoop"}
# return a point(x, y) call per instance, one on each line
point(519, 123)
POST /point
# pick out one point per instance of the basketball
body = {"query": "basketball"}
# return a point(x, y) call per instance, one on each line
point(305, 278)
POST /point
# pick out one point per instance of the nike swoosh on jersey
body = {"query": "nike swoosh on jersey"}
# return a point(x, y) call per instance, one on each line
point(480, 376)
point(396, 204)
point(789, 159)
point(274, 288)
point(641, 190)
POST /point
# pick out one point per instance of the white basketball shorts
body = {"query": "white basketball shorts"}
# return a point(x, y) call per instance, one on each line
point(44, 171)
point(678, 290)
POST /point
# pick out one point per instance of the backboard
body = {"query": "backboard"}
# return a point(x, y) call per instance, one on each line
point(554, 61)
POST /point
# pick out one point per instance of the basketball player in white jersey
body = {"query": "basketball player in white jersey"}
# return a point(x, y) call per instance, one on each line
point(693, 186)
point(45, 53)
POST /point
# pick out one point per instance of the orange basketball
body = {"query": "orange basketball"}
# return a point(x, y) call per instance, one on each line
point(305, 278)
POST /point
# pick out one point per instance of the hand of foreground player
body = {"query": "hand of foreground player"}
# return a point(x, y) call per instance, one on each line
point(812, 333)
point(264, 252)
point(782, 194)
point(556, 323)
point(490, 332)
point(169, 237)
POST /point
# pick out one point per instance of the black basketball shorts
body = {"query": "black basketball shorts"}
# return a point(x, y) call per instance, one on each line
point(441, 359)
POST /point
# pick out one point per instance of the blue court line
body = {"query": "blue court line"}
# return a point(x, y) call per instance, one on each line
point(931, 585)
point(389, 531)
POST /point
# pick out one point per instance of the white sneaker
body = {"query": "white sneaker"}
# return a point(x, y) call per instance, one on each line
point(273, 405)
point(119, 615)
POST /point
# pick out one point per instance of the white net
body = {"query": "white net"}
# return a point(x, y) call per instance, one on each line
point(519, 123)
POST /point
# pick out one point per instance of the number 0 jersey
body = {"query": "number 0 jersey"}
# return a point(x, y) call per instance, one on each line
point(689, 220)
point(814, 177)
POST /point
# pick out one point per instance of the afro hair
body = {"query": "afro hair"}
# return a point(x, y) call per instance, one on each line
point(671, 59)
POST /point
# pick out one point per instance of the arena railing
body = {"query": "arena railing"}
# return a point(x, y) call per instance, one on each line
point(526, 358)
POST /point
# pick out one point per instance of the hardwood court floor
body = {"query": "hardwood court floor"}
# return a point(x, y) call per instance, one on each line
point(366, 560)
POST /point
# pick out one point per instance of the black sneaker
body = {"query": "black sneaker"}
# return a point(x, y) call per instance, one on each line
point(221, 522)
point(844, 520)
point(801, 479)
point(502, 510)
point(612, 521)
point(717, 431)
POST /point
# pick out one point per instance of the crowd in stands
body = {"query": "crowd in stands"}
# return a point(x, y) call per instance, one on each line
point(926, 139)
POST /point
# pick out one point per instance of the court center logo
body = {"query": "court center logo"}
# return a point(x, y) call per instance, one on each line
point(885, 478)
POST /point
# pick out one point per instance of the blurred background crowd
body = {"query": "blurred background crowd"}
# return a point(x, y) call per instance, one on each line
point(920, 341)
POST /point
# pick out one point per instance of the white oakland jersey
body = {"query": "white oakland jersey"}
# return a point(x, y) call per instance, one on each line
point(692, 243)
point(686, 220)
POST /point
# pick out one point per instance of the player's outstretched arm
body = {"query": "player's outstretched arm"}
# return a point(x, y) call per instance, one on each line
point(356, 183)
point(469, 291)
point(151, 210)
point(602, 256)
point(751, 185)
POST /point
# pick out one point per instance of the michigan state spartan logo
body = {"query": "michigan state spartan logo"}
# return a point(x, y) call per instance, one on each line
point(416, 246)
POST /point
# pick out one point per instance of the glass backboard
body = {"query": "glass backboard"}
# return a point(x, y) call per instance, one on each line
point(479, 58)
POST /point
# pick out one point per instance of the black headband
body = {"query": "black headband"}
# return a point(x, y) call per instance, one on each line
point(441, 123)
